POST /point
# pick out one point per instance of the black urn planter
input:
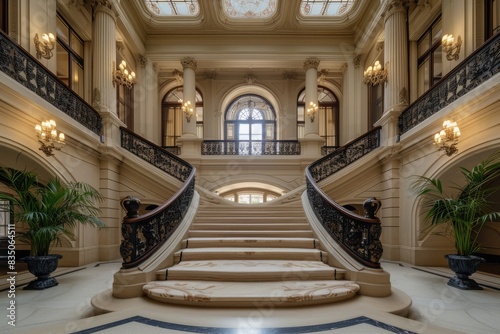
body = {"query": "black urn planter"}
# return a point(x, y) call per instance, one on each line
point(42, 267)
point(463, 267)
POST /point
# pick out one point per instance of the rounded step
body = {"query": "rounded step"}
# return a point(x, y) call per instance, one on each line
point(250, 226)
point(250, 294)
point(250, 242)
point(249, 233)
point(248, 253)
point(250, 271)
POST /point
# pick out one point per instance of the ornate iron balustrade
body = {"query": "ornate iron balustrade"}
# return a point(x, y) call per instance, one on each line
point(155, 155)
point(345, 155)
point(247, 147)
point(173, 149)
point(26, 70)
point(143, 235)
point(478, 67)
point(358, 235)
point(325, 150)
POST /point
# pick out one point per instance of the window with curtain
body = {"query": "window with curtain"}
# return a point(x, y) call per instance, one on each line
point(69, 57)
point(125, 105)
point(250, 119)
point(375, 104)
point(327, 116)
point(429, 51)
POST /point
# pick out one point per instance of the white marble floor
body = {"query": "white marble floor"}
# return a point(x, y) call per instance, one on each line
point(66, 308)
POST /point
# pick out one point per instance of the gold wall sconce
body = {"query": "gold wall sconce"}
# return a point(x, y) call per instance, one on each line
point(45, 45)
point(375, 75)
point(187, 110)
point(450, 47)
point(447, 139)
point(49, 137)
point(122, 76)
point(312, 110)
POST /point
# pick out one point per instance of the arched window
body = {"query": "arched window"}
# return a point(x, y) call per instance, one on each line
point(328, 116)
point(171, 111)
point(250, 120)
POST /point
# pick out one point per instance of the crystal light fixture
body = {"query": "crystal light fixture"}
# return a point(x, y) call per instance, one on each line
point(49, 137)
point(122, 76)
point(450, 47)
point(188, 110)
point(375, 75)
point(45, 45)
point(312, 110)
point(447, 139)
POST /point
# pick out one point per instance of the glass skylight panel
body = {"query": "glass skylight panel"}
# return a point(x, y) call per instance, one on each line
point(325, 7)
point(249, 9)
point(173, 7)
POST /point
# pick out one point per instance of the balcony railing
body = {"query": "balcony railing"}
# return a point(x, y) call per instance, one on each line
point(358, 235)
point(247, 147)
point(29, 72)
point(143, 235)
point(478, 67)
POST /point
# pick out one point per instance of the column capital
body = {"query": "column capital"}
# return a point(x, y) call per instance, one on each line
point(394, 6)
point(104, 6)
point(311, 62)
point(143, 60)
point(188, 62)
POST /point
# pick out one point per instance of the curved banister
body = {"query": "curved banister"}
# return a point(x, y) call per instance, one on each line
point(358, 235)
point(143, 235)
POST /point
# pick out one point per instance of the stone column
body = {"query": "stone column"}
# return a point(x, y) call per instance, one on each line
point(311, 143)
point(147, 116)
point(104, 55)
point(311, 71)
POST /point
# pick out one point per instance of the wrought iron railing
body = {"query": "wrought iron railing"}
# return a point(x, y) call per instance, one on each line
point(478, 67)
point(29, 72)
point(246, 147)
point(143, 235)
point(325, 150)
point(345, 155)
point(173, 149)
point(358, 235)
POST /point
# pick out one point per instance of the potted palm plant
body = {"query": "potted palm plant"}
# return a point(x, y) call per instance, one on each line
point(50, 212)
point(464, 214)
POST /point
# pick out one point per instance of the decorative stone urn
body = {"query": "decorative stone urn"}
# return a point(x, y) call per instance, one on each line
point(463, 267)
point(371, 206)
point(42, 267)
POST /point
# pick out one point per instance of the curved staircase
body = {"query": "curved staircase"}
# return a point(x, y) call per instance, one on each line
point(237, 255)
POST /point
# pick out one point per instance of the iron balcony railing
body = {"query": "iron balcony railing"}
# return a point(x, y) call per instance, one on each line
point(358, 235)
point(143, 235)
point(478, 67)
point(29, 72)
point(247, 147)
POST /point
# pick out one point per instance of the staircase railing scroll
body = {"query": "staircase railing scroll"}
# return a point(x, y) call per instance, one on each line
point(144, 234)
point(358, 235)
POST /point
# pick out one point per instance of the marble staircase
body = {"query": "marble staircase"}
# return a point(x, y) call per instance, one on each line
point(237, 255)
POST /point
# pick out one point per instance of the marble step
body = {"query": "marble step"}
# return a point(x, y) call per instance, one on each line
point(251, 218)
point(249, 226)
point(250, 294)
point(247, 233)
point(249, 253)
point(250, 271)
point(250, 242)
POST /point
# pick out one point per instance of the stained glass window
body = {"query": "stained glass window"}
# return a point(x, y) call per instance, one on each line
point(325, 7)
point(249, 9)
point(173, 7)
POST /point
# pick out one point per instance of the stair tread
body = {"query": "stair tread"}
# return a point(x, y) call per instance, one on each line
point(249, 249)
point(283, 293)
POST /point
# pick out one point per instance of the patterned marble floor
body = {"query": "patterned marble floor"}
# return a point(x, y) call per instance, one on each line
point(437, 308)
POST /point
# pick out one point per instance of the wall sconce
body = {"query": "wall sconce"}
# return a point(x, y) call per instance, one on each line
point(188, 111)
point(49, 137)
point(44, 46)
point(447, 139)
point(451, 48)
point(311, 111)
point(121, 75)
point(375, 75)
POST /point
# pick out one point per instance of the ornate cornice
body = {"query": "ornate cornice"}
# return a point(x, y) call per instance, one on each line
point(178, 75)
point(311, 62)
point(209, 75)
point(289, 75)
point(188, 62)
point(356, 61)
point(250, 79)
point(394, 6)
point(105, 6)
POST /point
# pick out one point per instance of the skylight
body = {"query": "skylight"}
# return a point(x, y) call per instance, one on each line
point(173, 7)
point(249, 9)
point(325, 7)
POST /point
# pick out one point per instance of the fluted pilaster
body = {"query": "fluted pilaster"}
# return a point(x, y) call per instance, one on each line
point(189, 67)
point(311, 73)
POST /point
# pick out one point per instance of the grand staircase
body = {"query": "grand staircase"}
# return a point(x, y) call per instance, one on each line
point(237, 255)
